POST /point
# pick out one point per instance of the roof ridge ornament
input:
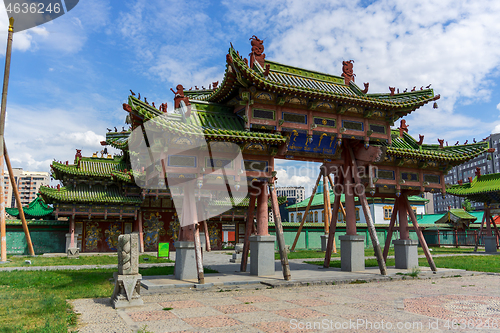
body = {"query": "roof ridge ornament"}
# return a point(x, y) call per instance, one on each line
point(367, 84)
point(403, 127)
point(347, 71)
point(257, 53)
point(179, 97)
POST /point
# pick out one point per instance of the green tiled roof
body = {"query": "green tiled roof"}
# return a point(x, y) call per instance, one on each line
point(83, 193)
point(94, 167)
point(318, 201)
point(314, 84)
point(118, 140)
point(36, 208)
point(244, 203)
point(407, 147)
point(486, 188)
point(36, 222)
point(428, 218)
point(478, 215)
point(456, 215)
point(214, 122)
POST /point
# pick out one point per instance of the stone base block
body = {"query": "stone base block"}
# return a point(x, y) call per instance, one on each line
point(185, 261)
point(406, 253)
point(324, 242)
point(262, 255)
point(238, 248)
point(490, 244)
point(236, 257)
point(352, 253)
point(127, 291)
point(73, 253)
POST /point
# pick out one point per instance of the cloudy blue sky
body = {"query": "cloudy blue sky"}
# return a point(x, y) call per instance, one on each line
point(70, 76)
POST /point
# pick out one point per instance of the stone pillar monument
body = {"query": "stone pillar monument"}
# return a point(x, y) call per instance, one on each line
point(127, 279)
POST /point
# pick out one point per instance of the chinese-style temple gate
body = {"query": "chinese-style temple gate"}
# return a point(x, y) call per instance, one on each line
point(483, 188)
point(268, 110)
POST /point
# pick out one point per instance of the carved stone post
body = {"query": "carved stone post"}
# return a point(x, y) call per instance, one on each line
point(73, 250)
point(127, 291)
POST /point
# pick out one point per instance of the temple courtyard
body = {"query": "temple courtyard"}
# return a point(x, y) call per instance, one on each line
point(315, 300)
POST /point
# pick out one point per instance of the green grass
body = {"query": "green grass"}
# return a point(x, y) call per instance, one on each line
point(317, 253)
point(469, 263)
point(18, 261)
point(35, 301)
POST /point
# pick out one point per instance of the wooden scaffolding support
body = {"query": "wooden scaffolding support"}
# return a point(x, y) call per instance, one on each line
point(279, 233)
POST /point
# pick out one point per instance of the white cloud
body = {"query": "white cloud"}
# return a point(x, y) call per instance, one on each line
point(453, 45)
point(173, 43)
point(293, 173)
point(67, 33)
point(36, 136)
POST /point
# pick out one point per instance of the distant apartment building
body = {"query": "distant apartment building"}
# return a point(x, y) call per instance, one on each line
point(293, 194)
point(488, 162)
point(28, 183)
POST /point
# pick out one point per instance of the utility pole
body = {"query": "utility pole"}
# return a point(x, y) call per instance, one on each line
point(3, 229)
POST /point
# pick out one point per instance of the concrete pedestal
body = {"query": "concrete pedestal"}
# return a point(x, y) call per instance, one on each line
point(236, 258)
point(185, 261)
point(324, 242)
point(262, 255)
point(73, 253)
point(127, 291)
point(490, 244)
point(405, 253)
point(352, 253)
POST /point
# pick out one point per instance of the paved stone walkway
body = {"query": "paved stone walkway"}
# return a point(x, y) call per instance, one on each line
point(463, 304)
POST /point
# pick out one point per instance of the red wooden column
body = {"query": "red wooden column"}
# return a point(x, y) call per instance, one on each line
point(404, 233)
point(391, 229)
point(350, 207)
point(262, 211)
point(139, 229)
point(420, 235)
point(350, 219)
point(72, 231)
point(248, 229)
point(488, 222)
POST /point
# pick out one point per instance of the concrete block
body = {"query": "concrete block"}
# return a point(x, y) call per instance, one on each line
point(262, 255)
point(127, 291)
point(203, 286)
point(490, 244)
point(238, 248)
point(324, 242)
point(185, 261)
point(236, 257)
point(352, 253)
point(406, 253)
point(73, 253)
